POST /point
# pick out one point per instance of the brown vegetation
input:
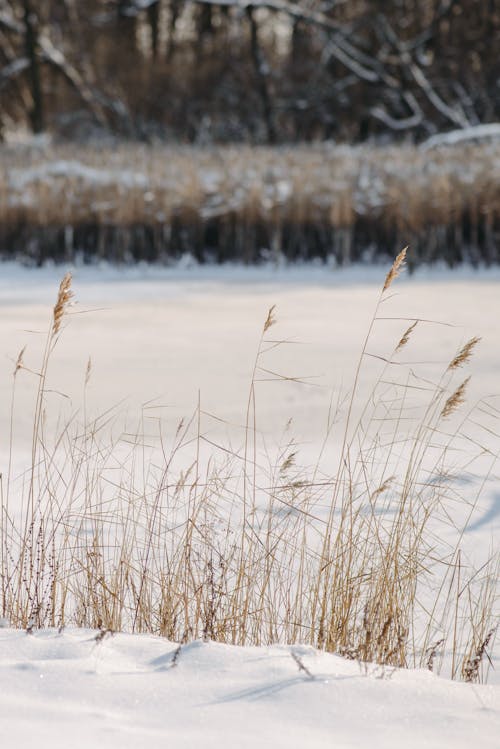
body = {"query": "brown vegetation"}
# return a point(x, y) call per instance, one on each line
point(266, 71)
point(109, 535)
point(242, 203)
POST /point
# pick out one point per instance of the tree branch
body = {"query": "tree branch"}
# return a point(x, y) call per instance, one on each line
point(13, 69)
point(363, 66)
point(57, 59)
point(261, 72)
point(404, 123)
point(10, 24)
point(457, 117)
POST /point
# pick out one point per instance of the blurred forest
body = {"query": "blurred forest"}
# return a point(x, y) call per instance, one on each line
point(266, 72)
point(234, 130)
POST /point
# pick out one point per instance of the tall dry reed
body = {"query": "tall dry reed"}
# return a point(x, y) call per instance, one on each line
point(241, 203)
point(193, 539)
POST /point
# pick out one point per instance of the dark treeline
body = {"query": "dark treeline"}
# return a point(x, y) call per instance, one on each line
point(202, 71)
point(227, 239)
point(198, 73)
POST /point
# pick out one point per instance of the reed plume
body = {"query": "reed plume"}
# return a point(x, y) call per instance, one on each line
point(471, 665)
point(396, 269)
point(455, 400)
point(464, 354)
point(270, 319)
point(406, 336)
point(88, 371)
point(63, 299)
point(19, 361)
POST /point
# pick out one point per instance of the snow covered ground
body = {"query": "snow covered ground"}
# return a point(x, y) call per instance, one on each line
point(67, 690)
point(163, 337)
point(159, 336)
point(166, 334)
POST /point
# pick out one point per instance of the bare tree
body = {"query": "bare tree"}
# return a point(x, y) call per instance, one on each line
point(348, 70)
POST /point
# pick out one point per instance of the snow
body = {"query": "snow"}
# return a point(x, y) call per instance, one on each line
point(173, 331)
point(165, 333)
point(20, 179)
point(168, 335)
point(331, 180)
point(66, 689)
point(452, 138)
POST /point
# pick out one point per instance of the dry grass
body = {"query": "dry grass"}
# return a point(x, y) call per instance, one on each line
point(245, 203)
point(194, 540)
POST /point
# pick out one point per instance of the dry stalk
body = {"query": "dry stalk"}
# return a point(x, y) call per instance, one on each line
point(233, 551)
point(472, 664)
point(431, 653)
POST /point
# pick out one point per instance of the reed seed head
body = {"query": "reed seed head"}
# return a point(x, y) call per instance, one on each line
point(88, 371)
point(270, 319)
point(471, 666)
point(288, 462)
point(396, 269)
point(19, 361)
point(464, 354)
point(432, 651)
point(63, 299)
point(383, 487)
point(406, 336)
point(455, 400)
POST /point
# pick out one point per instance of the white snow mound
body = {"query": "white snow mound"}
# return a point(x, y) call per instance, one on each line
point(69, 690)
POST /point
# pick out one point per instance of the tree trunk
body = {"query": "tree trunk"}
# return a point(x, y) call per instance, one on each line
point(31, 46)
point(261, 74)
point(175, 12)
point(126, 26)
point(154, 25)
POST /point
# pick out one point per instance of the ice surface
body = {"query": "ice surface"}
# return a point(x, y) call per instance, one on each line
point(164, 335)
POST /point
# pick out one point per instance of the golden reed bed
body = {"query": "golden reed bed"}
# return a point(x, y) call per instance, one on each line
point(242, 203)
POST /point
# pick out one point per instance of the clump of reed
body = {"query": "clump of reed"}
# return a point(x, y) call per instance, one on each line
point(241, 203)
point(201, 540)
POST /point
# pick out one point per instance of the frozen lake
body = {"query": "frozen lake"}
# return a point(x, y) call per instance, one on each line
point(162, 340)
point(159, 339)
point(165, 335)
